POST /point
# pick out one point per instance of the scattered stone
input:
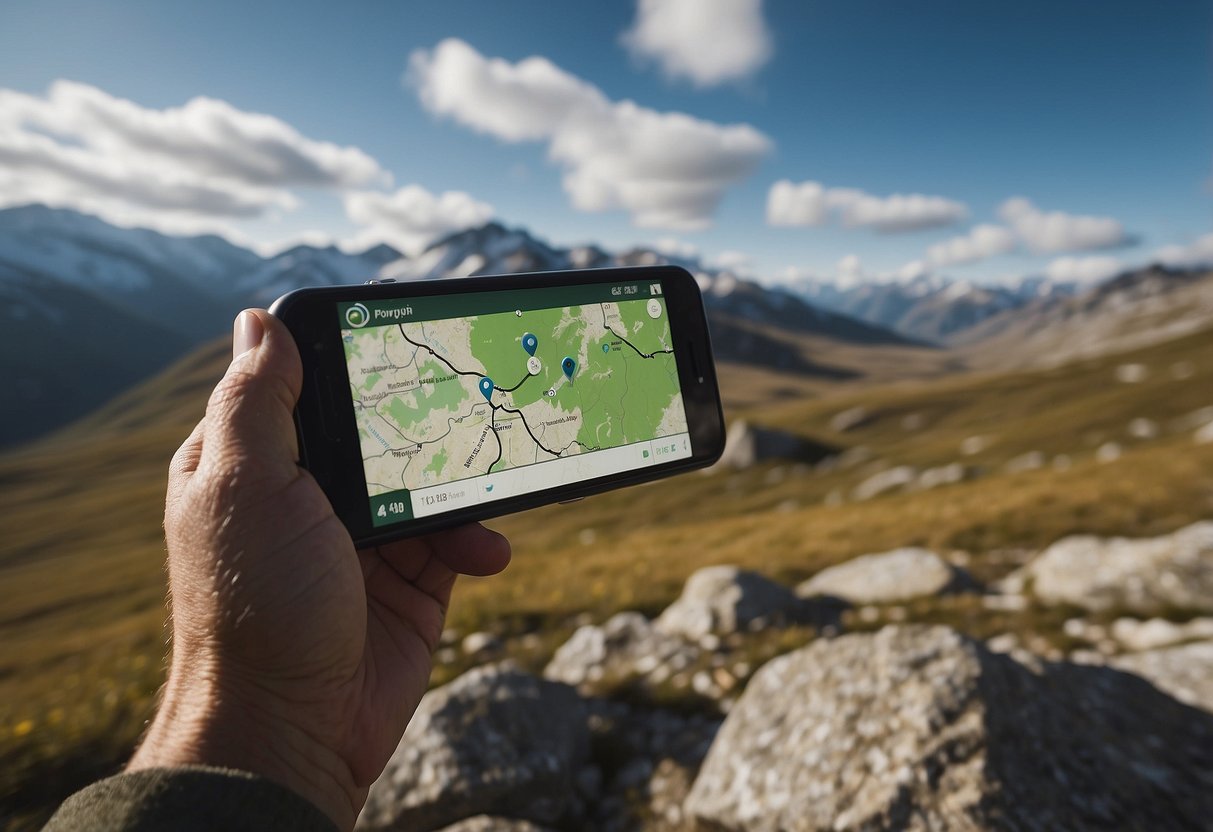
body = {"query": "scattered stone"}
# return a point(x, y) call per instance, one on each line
point(850, 419)
point(587, 537)
point(477, 644)
point(913, 421)
point(1144, 576)
point(922, 728)
point(887, 578)
point(1183, 370)
point(1185, 672)
point(496, 741)
point(1132, 373)
point(943, 475)
point(746, 445)
point(724, 599)
point(1031, 461)
point(1108, 452)
point(1062, 462)
point(887, 480)
point(1141, 428)
point(974, 445)
point(486, 823)
point(626, 648)
point(1204, 435)
point(1158, 632)
point(834, 498)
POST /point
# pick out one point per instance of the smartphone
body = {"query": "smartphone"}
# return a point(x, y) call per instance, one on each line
point(435, 403)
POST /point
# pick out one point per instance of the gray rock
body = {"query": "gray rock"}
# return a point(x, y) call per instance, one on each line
point(721, 600)
point(1185, 672)
point(887, 578)
point(849, 419)
point(1031, 461)
point(1158, 632)
point(1144, 576)
point(495, 741)
point(486, 823)
point(921, 728)
point(885, 481)
point(624, 649)
point(746, 444)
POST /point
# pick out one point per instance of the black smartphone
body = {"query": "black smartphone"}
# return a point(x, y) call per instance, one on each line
point(435, 403)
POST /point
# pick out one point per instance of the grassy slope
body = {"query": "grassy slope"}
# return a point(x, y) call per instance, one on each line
point(81, 624)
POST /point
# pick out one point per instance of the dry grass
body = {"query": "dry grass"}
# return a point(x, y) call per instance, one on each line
point(81, 626)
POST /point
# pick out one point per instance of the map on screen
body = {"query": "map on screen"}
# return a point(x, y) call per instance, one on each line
point(441, 402)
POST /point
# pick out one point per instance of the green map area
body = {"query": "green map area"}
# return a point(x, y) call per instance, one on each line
point(419, 388)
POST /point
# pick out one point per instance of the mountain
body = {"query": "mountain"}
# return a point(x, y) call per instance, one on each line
point(929, 307)
point(91, 308)
point(1135, 309)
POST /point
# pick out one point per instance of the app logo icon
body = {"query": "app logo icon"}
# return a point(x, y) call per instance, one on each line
point(357, 315)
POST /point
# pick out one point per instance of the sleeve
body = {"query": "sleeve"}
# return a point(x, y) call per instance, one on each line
point(189, 799)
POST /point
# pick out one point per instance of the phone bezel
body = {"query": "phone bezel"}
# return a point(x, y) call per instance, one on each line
point(325, 421)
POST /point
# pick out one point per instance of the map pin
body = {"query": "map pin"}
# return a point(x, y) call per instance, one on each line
point(569, 366)
point(529, 342)
point(486, 387)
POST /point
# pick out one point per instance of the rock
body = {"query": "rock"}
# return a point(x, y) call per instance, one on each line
point(1108, 452)
point(974, 445)
point(1031, 461)
point(485, 823)
point(495, 741)
point(1144, 576)
point(886, 578)
point(887, 480)
point(627, 647)
point(476, 644)
point(943, 475)
point(1158, 632)
point(1204, 435)
point(849, 419)
point(1141, 428)
point(746, 445)
point(1185, 672)
point(921, 728)
point(1132, 373)
point(720, 600)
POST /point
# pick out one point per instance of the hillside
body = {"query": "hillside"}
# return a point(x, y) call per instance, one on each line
point(81, 631)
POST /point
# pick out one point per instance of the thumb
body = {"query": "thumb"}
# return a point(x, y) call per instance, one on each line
point(249, 424)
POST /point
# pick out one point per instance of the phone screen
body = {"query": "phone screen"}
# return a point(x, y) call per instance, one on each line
point(463, 399)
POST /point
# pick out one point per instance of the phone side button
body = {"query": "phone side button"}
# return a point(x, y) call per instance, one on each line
point(570, 502)
point(327, 410)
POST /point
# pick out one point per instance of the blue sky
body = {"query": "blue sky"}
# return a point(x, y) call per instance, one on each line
point(1096, 113)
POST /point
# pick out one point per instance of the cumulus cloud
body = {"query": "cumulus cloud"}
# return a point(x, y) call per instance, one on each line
point(668, 170)
point(674, 247)
point(980, 243)
point(1199, 252)
point(737, 262)
point(1083, 269)
point(412, 217)
point(1055, 231)
point(811, 203)
point(707, 42)
point(78, 146)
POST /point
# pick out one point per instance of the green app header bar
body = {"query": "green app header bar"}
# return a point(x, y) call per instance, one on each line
point(441, 307)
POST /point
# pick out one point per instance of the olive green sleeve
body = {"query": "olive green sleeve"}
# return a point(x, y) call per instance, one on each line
point(192, 799)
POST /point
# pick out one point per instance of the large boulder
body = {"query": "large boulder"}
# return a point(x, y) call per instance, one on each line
point(887, 578)
point(719, 600)
point(1185, 672)
point(921, 728)
point(627, 648)
point(495, 741)
point(1145, 576)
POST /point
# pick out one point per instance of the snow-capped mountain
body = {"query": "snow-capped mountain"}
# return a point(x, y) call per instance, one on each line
point(930, 307)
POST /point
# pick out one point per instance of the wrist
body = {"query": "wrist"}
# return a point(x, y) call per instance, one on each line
point(203, 722)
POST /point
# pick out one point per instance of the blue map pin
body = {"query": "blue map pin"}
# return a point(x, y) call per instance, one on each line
point(529, 342)
point(486, 387)
point(569, 366)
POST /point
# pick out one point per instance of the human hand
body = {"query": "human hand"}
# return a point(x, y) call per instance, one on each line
point(294, 656)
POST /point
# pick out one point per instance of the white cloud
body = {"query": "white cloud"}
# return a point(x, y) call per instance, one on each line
point(811, 203)
point(1083, 269)
point(674, 247)
point(668, 170)
point(737, 262)
point(182, 167)
point(707, 42)
point(1055, 231)
point(1199, 252)
point(412, 217)
point(980, 243)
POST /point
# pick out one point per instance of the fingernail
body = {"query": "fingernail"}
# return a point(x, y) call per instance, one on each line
point(247, 333)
